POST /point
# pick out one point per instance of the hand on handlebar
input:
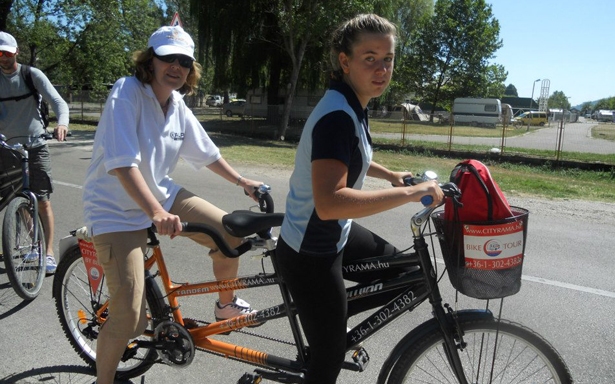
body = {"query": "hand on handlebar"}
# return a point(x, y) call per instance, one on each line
point(400, 178)
point(167, 224)
point(432, 195)
point(60, 132)
point(250, 186)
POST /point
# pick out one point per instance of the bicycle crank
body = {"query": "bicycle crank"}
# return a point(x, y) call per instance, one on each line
point(174, 344)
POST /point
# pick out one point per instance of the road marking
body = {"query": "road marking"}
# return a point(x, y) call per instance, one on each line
point(561, 284)
point(68, 184)
point(569, 286)
point(540, 280)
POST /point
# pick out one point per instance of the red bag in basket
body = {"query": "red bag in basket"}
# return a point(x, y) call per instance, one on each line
point(481, 196)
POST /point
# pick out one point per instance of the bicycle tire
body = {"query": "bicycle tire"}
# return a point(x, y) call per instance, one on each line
point(76, 308)
point(26, 275)
point(522, 356)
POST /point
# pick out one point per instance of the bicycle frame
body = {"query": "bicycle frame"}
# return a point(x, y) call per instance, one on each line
point(452, 346)
point(418, 285)
point(18, 180)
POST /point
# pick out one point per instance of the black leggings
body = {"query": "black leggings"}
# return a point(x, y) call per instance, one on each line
point(317, 287)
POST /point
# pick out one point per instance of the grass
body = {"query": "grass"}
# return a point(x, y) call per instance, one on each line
point(426, 128)
point(251, 143)
point(606, 131)
point(514, 179)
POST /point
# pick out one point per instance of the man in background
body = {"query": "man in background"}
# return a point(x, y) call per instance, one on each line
point(22, 122)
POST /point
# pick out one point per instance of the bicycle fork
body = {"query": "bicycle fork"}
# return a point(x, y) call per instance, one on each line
point(453, 339)
point(451, 331)
point(35, 229)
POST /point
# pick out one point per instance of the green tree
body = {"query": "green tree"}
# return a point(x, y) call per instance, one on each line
point(559, 100)
point(511, 90)
point(587, 107)
point(493, 81)
point(83, 42)
point(606, 103)
point(451, 52)
point(302, 22)
point(265, 42)
point(5, 9)
point(238, 43)
point(283, 44)
point(409, 16)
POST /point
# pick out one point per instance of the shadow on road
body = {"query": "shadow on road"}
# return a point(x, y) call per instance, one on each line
point(64, 374)
point(10, 302)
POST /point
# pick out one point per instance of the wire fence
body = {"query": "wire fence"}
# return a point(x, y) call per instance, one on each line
point(565, 139)
point(584, 140)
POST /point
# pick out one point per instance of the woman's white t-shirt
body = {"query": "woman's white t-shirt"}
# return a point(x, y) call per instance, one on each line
point(134, 132)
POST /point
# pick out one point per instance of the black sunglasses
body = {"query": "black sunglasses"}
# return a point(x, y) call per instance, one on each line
point(184, 60)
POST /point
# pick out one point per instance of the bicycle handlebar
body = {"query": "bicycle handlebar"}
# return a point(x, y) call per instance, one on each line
point(18, 147)
point(265, 203)
point(222, 245)
point(449, 189)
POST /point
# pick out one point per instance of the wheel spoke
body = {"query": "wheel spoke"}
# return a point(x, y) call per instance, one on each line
point(504, 353)
point(23, 253)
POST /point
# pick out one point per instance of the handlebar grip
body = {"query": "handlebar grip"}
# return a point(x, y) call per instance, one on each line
point(222, 246)
point(427, 200)
point(411, 180)
point(265, 203)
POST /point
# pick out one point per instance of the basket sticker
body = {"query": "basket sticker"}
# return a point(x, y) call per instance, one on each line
point(94, 269)
point(493, 247)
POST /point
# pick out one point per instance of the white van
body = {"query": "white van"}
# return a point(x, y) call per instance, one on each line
point(604, 115)
point(477, 111)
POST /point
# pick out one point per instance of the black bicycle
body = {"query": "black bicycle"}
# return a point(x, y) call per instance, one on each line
point(467, 346)
point(23, 240)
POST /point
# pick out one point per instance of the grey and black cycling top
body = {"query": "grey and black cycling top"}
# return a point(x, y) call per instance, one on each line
point(336, 129)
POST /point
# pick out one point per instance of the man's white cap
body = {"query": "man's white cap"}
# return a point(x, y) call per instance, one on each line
point(171, 40)
point(7, 43)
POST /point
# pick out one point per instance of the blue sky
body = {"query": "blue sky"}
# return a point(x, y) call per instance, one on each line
point(570, 43)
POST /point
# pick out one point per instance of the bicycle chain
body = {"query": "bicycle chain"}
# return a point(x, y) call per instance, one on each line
point(201, 322)
point(243, 331)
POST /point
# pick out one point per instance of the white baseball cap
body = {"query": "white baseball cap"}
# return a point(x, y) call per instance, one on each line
point(7, 43)
point(171, 40)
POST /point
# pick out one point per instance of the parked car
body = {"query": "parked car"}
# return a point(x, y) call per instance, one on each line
point(531, 118)
point(214, 100)
point(235, 107)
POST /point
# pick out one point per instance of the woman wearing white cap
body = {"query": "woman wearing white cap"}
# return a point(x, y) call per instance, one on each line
point(144, 130)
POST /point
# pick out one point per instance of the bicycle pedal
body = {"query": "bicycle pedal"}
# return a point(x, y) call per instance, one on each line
point(360, 358)
point(279, 376)
point(130, 351)
point(249, 378)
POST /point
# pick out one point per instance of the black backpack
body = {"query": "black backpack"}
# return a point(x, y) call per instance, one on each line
point(43, 107)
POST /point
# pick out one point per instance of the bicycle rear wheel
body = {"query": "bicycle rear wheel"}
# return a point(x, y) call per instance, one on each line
point(77, 308)
point(521, 356)
point(24, 254)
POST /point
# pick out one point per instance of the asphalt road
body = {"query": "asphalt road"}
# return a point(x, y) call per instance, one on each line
point(568, 292)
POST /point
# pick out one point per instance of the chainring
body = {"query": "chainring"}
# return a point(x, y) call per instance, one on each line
point(178, 347)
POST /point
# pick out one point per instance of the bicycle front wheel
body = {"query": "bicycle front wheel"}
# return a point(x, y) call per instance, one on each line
point(81, 312)
point(24, 254)
point(496, 352)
